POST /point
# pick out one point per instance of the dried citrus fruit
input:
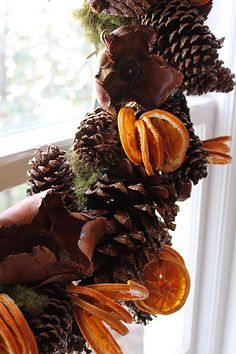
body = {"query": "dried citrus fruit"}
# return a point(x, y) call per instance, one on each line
point(169, 252)
point(174, 135)
point(218, 150)
point(155, 145)
point(168, 283)
point(141, 129)
point(126, 121)
point(96, 334)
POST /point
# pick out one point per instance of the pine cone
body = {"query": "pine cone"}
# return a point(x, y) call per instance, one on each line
point(139, 317)
point(53, 328)
point(194, 166)
point(51, 170)
point(97, 140)
point(121, 8)
point(184, 41)
point(204, 10)
point(140, 210)
point(225, 79)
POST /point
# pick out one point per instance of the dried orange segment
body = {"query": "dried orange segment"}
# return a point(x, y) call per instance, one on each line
point(140, 126)
point(145, 308)
point(105, 316)
point(7, 339)
point(168, 284)
point(105, 301)
point(218, 150)
point(169, 252)
point(122, 292)
point(126, 127)
point(155, 144)
point(30, 342)
point(10, 322)
point(174, 135)
point(96, 334)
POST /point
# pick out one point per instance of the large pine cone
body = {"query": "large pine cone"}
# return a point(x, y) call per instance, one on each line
point(194, 166)
point(121, 8)
point(51, 170)
point(184, 41)
point(54, 329)
point(140, 210)
point(97, 142)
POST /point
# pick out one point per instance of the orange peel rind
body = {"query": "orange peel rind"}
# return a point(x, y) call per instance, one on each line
point(15, 333)
point(95, 304)
point(158, 139)
point(167, 281)
point(218, 150)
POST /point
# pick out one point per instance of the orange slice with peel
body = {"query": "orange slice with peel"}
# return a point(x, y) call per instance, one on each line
point(20, 327)
point(218, 150)
point(155, 145)
point(168, 283)
point(95, 333)
point(122, 292)
point(105, 316)
point(8, 342)
point(174, 135)
point(113, 306)
point(126, 126)
point(140, 126)
point(9, 321)
point(169, 252)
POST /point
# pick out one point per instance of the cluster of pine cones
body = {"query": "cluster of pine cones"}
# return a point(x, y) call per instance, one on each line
point(140, 209)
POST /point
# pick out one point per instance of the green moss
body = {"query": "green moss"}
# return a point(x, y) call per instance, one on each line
point(94, 24)
point(85, 177)
point(27, 299)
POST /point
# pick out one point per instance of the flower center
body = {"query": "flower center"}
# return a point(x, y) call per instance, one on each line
point(130, 71)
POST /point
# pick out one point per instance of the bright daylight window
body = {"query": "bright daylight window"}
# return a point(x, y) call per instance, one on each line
point(45, 73)
point(46, 77)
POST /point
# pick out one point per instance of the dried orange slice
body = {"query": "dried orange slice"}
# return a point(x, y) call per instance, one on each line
point(121, 292)
point(140, 126)
point(174, 135)
point(126, 122)
point(169, 252)
point(20, 327)
point(155, 145)
point(168, 283)
point(8, 343)
point(95, 333)
point(218, 150)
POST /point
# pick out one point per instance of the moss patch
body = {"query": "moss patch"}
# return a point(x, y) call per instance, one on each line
point(94, 24)
point(26, 298)
point(85, 177)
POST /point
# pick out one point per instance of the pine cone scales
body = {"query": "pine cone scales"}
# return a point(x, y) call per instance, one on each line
point(183, 39)
point(52, 328)
point(194, 167)
point(97, 139)
point(51, 169)
point(225, 79)
point(132, 202)
point(122, 8)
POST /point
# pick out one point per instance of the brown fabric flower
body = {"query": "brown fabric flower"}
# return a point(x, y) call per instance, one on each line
point(129, 72)
point(41, 242)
